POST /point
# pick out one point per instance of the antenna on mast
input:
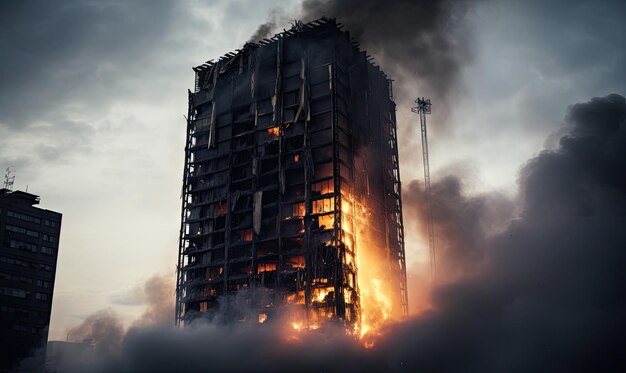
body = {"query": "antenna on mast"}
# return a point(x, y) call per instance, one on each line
point(9, 179)
point(424, 107)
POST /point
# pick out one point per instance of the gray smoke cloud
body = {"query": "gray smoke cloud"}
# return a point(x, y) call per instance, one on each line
point(542, 293)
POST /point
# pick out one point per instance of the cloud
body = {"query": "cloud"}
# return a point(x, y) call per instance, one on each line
point(61, 57)
point(64, 66)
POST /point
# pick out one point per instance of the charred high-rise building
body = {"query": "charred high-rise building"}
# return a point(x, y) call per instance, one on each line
point(291, 185)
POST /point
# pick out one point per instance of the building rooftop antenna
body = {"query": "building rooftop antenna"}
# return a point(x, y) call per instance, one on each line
point(424, 107)
point(9, 179)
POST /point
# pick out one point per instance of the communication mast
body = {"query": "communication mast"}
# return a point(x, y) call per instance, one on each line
point(9, 179)
point(424, 107)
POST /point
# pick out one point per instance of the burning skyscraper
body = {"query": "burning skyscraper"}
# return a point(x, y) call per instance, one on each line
point(291, 188)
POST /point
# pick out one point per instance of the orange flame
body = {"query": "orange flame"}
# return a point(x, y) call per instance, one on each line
point(273, 131)
point(374, 284)
point(375, 301)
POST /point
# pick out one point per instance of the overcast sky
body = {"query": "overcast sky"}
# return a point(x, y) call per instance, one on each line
point(93, 95)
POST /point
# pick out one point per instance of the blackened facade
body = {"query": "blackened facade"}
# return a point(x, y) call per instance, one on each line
point(289, 140)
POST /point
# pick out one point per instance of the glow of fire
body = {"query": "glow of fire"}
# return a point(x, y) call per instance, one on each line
point(273, 131)
point(375, 302)
point(376, 306)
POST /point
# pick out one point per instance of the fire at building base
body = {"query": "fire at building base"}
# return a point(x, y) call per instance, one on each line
point(291, 189)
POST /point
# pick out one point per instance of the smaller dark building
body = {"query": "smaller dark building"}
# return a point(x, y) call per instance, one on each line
point(29, 239)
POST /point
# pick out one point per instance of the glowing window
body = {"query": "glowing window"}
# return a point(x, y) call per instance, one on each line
point(273, 131)
point(220, 209)
point(266, 267)
point(297, 261)
point(323, 187)
point(245, 235)
point(328, 221)
point(321, 206)
point(298, 209)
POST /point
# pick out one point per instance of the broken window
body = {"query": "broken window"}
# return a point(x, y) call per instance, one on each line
point(244, 141)
point(322, 154)
point(220, 208)
point(266, 267)
point(242, 157)
point(296, 298)
point(291, 98)
point(245, 234)
point(214, 272)
point(318, 75)
point(242, 172)
point(273, 131)
point(324, 170)
point(272, 148)
point(294, 192)
point(289, 115)
point(291, 83)
point(266, 89)
point(294, 176)
point(321, 138)
point(292, 226)
point(322, 295)
point(224, 133)
point(326, 221)
point(298, 209)
point(321, 121)
point(320, 105)
point(224, 119)
point(219, 222)
point(202, 124)
point(321, 206)
point(296, 261)
point(322, 187)
point(269, 165)
point(264, 121)
point(295, 143)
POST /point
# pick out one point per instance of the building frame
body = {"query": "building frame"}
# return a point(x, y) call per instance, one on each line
point(284, 139)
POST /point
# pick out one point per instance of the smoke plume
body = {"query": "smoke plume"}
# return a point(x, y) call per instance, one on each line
point(269, 28)
point(543, 293)
point(159, 301)
point(421, 44)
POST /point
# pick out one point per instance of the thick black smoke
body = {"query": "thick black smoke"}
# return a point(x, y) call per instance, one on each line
point(421, 44)
point(462, 221)
point(269, 28)
point(546, 293)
